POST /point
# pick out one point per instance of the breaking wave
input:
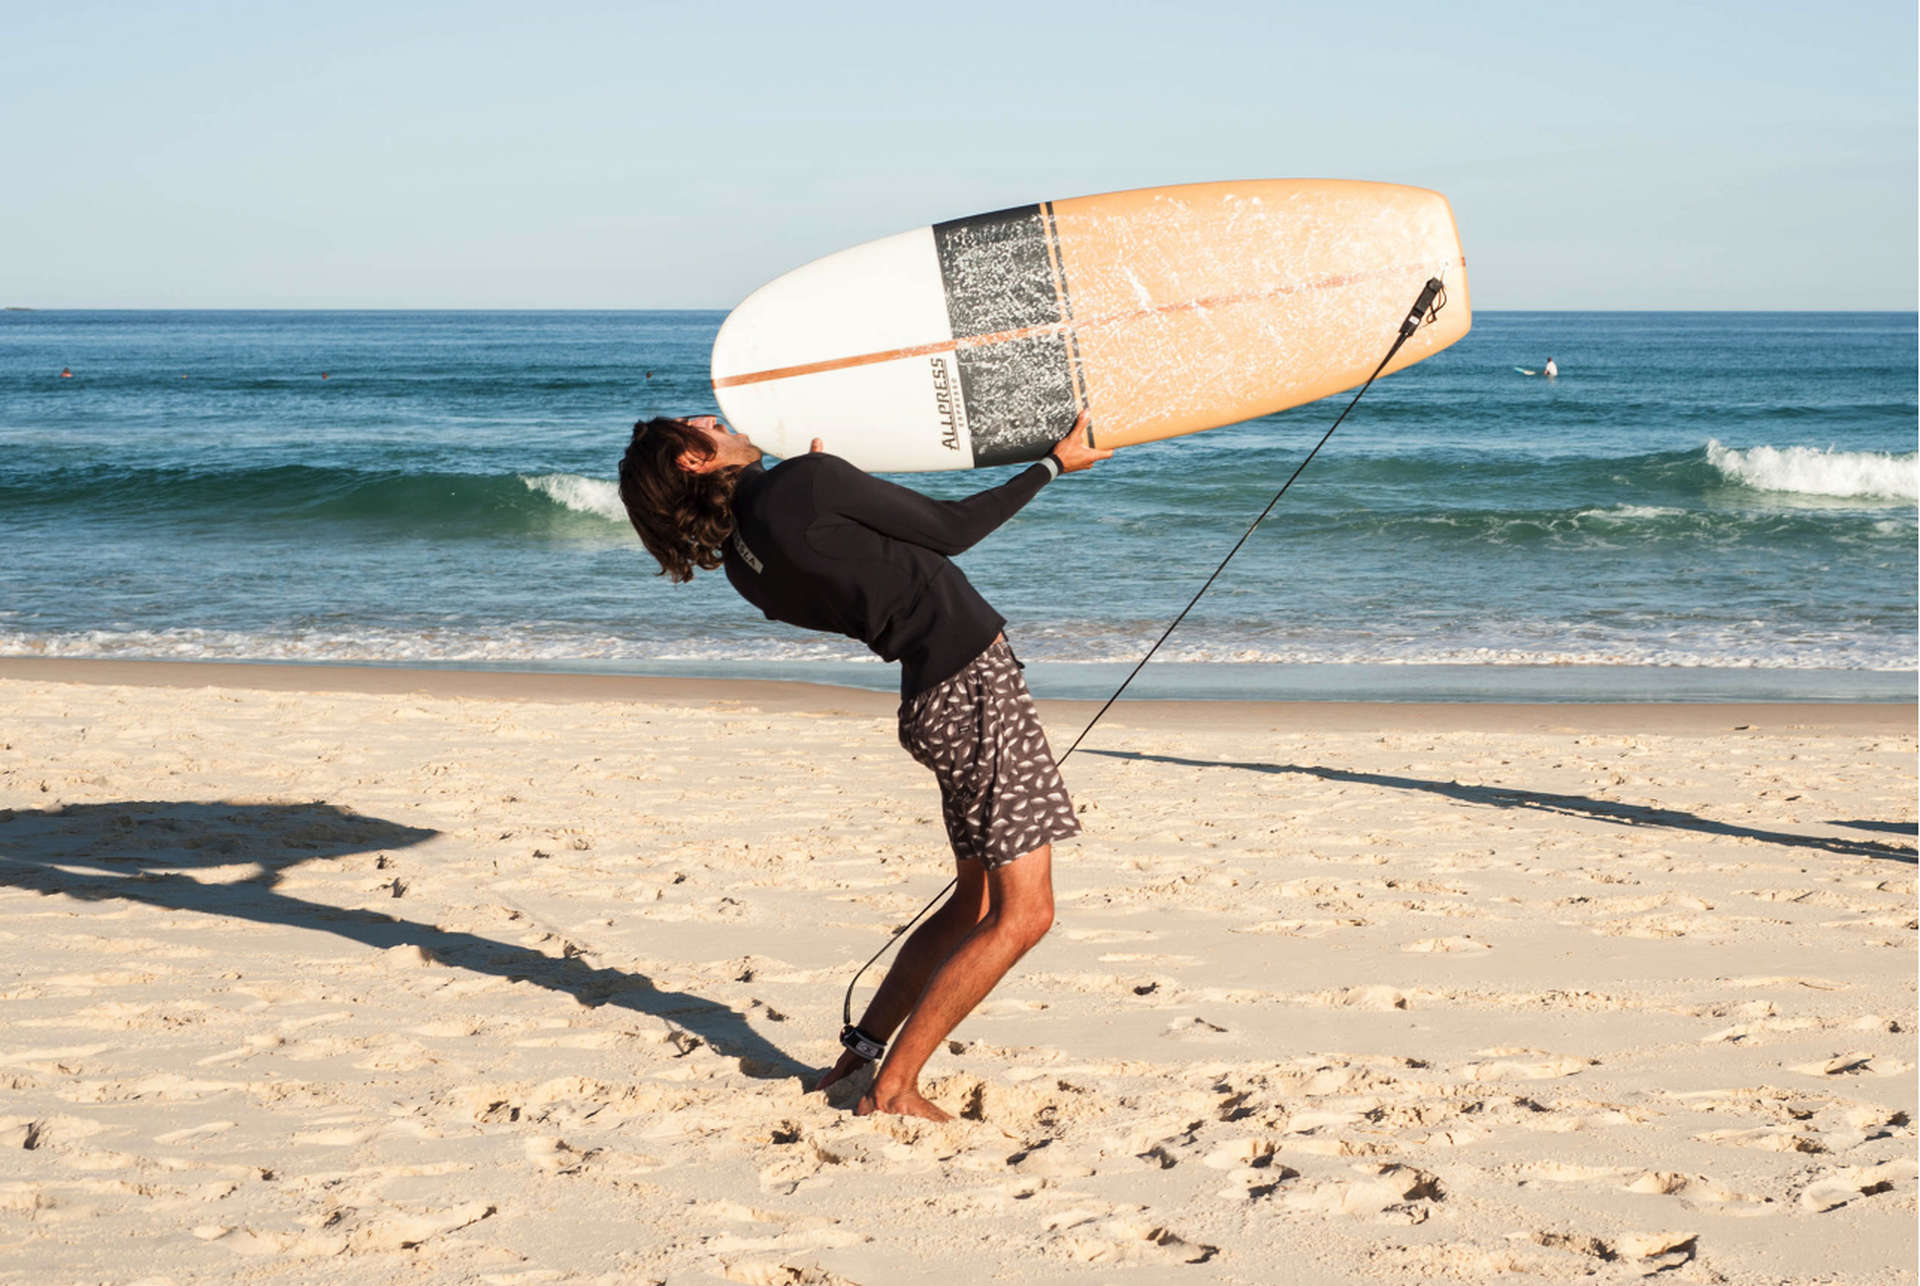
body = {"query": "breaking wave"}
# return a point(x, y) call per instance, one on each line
point(1814, 471)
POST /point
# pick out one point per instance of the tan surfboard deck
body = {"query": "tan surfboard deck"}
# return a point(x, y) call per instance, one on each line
point(1161, 312)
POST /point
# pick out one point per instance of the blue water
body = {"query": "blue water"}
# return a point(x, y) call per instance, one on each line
point(1702, 505)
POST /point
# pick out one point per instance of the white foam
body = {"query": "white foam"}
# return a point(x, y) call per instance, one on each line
point(582, 495)
point(1812, 471)
point(1728, 647)
point(503, 644)
point(1630, 513)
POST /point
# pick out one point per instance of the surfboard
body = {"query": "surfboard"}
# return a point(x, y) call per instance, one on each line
point(1160, 311)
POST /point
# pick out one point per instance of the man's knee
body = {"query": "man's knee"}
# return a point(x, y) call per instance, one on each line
point(1024, 923)
point(1028, 917)
point(1036, 922)
point(1023, 896)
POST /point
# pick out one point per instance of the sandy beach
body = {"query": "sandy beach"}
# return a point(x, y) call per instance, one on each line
point(379, 975)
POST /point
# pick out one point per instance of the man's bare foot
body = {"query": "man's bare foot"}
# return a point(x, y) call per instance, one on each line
point(903, 1103)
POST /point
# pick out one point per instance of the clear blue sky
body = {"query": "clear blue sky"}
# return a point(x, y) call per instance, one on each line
point(637, 155)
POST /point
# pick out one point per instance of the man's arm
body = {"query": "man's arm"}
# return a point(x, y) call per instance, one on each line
point(954, 526)
point(944, 526)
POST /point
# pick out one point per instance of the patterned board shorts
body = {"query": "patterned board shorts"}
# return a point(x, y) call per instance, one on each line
point(1000, 791)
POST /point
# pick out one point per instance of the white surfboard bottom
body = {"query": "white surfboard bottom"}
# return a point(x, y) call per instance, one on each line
point(904, 413)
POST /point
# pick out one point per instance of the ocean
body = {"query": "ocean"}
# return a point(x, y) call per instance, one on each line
point(1703, 506)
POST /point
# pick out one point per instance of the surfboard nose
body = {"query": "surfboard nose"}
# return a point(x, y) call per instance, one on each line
point(1454, 278)
point(1451, 315)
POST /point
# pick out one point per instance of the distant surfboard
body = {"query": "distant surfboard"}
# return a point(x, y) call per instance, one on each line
point(1524, 371)
point(1161, 311)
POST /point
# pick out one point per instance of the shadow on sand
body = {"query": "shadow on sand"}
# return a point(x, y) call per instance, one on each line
point(144, 851)
point(1599, 810)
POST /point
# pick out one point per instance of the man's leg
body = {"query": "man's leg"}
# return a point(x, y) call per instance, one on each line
point(924, 951)
point(1019, 913)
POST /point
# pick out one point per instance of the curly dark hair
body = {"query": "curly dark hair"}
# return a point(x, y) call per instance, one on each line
point(683, 518)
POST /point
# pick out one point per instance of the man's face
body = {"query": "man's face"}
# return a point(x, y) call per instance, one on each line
point(730, 450)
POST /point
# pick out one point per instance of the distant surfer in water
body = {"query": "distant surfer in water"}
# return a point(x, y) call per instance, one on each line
point(815, 542)
point(1551, 370)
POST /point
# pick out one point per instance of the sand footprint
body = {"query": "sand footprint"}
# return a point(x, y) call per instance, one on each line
point(1377, 996)
point(1564, 1172)
point(1106, 936)
point(802, 1154)
point(66, 1060)
point(1253, 1167)
point(188, 1134)
point(556, 1156)
point(1698, 1190)
point(778, 1272)
point(1122, 1235)
point(1765, 1138)
point(1658, 1251)
point(1843, 1187)
point(1859, 1064)
point(32, 1133)
point(775, 1232)
point(1194, 1028)
point(1741, 1033)
point(1389, 1192)
point(351, 1232)
point(1049, 1161)
point(1301, 928)
point(1537, 1065)
point(1462, 942)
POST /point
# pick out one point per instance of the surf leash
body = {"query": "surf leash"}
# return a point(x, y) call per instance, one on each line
point(1433, 298)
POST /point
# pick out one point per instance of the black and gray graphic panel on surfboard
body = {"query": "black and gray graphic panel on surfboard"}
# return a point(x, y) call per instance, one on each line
point(999, 277)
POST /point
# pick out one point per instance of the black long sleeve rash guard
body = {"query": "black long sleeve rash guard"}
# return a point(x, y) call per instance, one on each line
point(819, 544)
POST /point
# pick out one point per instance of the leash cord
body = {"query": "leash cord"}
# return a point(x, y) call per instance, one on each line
point(1433, 297)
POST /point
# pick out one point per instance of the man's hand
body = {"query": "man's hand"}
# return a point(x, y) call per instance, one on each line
point(1076, 451)
point(816, 447)
point(848, 1064)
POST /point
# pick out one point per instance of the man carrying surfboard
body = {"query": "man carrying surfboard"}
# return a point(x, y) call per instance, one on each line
point(816, 543)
